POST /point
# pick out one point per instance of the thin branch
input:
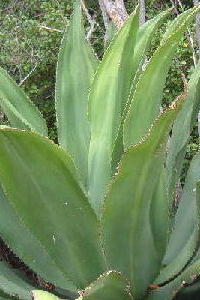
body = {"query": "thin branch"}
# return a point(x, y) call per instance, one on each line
point(196, 2)
point(142, 12)
point(27, 76)
point(115, 13)
point(104, 14)
point(121, 8)
point(190, 36)
point(91, 21)
point(49, 28)
point(174, 6)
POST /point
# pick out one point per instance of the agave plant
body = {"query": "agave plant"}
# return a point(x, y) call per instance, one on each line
point(94, 215)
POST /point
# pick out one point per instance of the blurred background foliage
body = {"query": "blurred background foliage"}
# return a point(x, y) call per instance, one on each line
point(30, 35)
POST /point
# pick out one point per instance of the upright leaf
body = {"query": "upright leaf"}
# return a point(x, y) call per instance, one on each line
point(184, 238)
point(159, 214)
point(176, 23)
point(145, 106)
point(145, 35)
point(143, 41)
point(21, 112)
point(109, 93)
point(39, 181)
point(75, 71)
point(128, 235)
point(182, 129)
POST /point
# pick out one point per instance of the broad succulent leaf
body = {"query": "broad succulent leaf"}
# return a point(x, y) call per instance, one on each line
point(42, 295)
point(21, 112)
point(146, 106)
point(143, 41)
point(184, 238)
point(170, 290)
point(144, 35)
point(184, 278)
point(76, 67)
point(127, 235)
point(182, 129)
point(144, 38)
point(40, 182)
point(109, 93)
point(176, 23)
point(29, 249)
point(159, 214)
point(111, 285)
point(13, 120)
point(12, 285)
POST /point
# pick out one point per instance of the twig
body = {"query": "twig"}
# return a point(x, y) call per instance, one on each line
point(196, 2)
point(121, 8)
point(107, 22)
point(190, 37)
point(90, 19)
point(27, 76)
point(142, 12)
point(104, 14)
point(49, 28)
point(115, 11)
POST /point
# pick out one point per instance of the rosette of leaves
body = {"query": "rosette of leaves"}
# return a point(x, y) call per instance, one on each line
point(94, 215)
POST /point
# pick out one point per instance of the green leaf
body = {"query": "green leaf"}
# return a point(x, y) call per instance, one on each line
point(145, 35)
point(128, 237)
point(76, 67)
point(109, 93)
point(176, 23)
point(182, 129)
point(11, 284)
point(109, 286)
point(42, 295)
point(14, 121)
point(169, 291)
point(29, 250)
point(159, 214)
point(21, 112)
point(40, 182)
point(143, 41)
point(146, 106)
point(184, 238)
